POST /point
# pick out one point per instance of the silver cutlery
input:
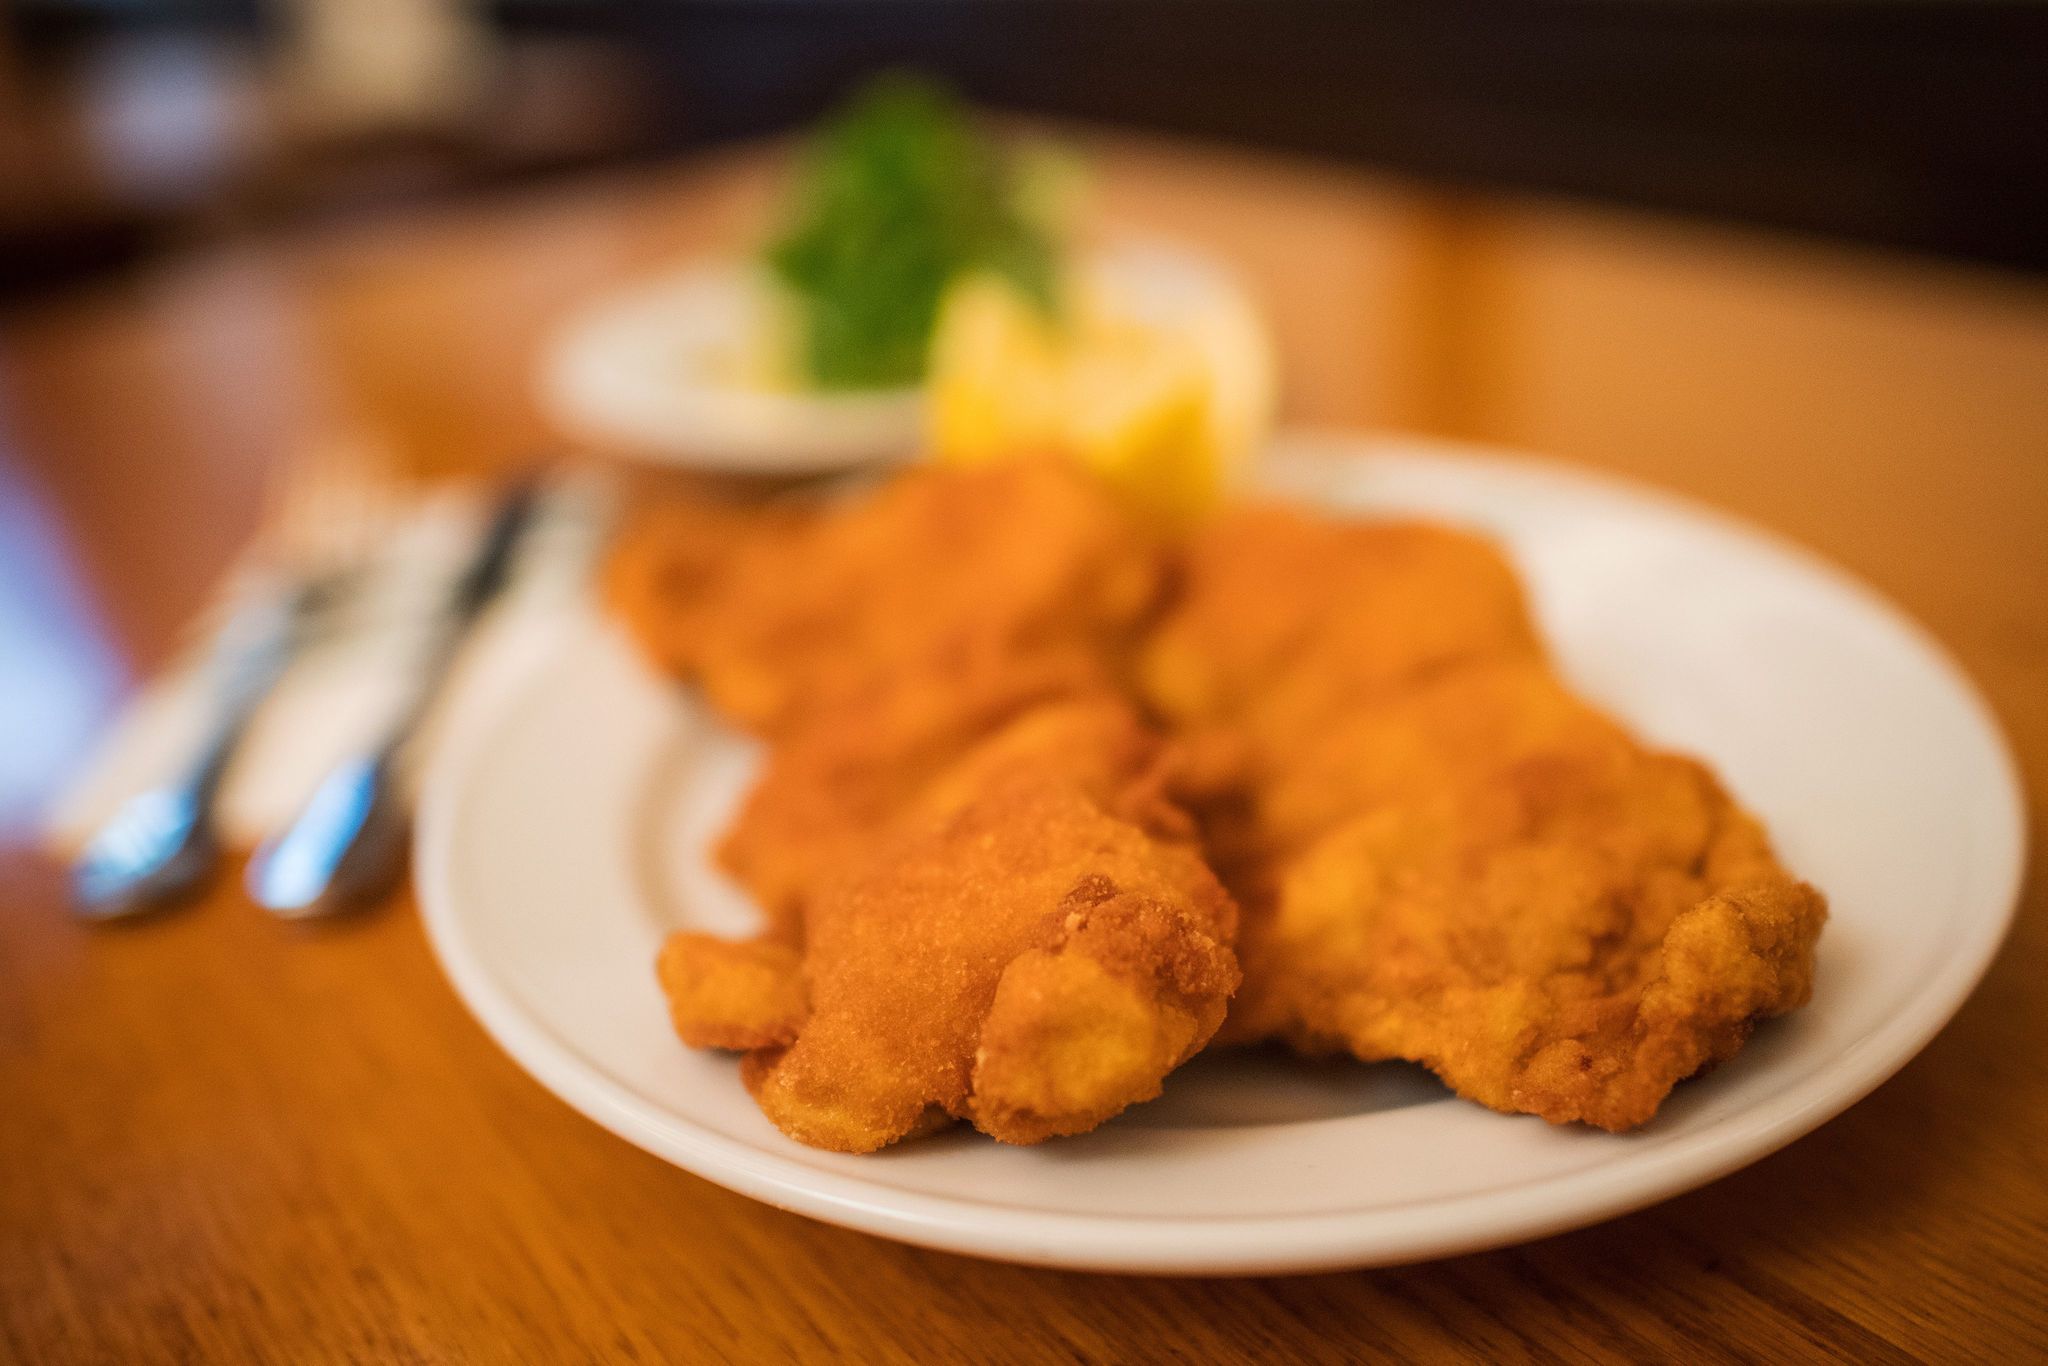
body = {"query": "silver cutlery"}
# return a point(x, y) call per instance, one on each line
point(347, 846)
point(327, 513)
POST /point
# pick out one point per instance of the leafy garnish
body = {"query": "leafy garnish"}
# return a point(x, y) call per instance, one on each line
point(900, 193)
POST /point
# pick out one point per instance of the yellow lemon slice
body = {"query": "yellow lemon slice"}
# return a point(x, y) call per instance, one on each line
point(1155, 373)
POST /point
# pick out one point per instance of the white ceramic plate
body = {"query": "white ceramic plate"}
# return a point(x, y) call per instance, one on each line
point(563, 833)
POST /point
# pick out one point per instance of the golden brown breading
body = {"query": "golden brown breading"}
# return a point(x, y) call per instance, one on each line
point(937, 570)
point(1290, 625)
point(986, 899)
point(1568, 936)
point(1480, 716)
point(733, 994)
point(670, 559)
point(1031, 947)
point(1285, 619)
point(1442, 853)
point(841, 774)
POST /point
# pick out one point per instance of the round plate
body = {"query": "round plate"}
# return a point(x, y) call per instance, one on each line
point(563, 834)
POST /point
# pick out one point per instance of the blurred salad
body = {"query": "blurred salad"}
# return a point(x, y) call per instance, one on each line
point(902, 193)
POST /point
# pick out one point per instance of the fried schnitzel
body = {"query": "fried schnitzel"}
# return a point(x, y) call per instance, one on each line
point(1285, 619)
point(1442, 854)
point(1288, 626)
point(1567, 927)
point(934, 570)
point(987, 899)
point(1031, 946)
point(835, 778)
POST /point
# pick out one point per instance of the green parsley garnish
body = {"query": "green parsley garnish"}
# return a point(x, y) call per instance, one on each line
point(900, 193)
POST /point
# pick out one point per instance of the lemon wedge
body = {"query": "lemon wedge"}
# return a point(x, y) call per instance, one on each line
point(1154, 372)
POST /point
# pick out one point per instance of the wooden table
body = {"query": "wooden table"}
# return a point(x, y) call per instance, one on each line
point(222, 1138)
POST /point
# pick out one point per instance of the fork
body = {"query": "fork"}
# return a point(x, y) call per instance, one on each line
point(324, 515)
point(346, 847)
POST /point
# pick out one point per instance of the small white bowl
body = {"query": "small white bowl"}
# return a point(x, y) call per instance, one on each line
point(646, 372)
point(637, 373)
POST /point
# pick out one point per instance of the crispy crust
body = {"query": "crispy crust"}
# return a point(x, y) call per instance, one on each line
point(1030, 948)
point(1443, 854)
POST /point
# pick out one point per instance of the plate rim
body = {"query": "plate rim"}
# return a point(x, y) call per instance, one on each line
point(738, 431)
point(1245, 1244)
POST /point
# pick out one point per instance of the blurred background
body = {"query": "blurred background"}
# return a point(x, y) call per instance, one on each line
point(133, 125)
point(1779, 255)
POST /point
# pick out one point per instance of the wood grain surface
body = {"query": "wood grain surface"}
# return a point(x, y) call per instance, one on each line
point(223, 1138)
